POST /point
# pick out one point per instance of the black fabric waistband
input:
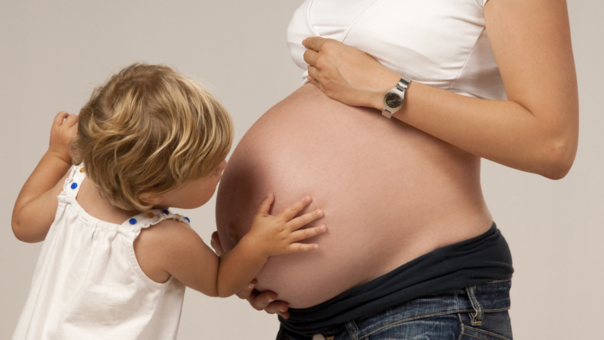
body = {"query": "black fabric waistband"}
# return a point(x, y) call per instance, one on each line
point(479, 260)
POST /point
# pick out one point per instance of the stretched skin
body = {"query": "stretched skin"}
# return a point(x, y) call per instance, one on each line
point(390, 193)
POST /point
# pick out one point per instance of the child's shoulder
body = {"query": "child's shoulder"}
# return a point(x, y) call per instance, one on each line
point(170, 227)
point(156, 246)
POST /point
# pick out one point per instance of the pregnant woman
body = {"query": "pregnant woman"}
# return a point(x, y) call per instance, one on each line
point(412, 250)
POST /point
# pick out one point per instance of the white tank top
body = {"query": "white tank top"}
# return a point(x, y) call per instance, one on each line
point(442, 43)
point(88, 284)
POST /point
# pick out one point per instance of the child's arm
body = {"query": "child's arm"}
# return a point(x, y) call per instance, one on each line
point(37, 202)
point(171, 248)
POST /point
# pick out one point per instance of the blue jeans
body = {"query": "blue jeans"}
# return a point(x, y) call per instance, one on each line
point(476, 312)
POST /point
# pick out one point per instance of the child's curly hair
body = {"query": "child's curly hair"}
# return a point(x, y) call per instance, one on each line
point(147, 131)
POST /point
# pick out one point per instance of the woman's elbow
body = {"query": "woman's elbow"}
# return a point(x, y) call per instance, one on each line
point(556, 172)
point(560, 158)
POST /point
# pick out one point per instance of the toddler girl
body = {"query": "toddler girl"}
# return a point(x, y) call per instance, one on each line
point(116, 260)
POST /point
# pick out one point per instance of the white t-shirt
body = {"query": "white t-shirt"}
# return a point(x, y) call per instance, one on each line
point(88, 284)
point(442, 43)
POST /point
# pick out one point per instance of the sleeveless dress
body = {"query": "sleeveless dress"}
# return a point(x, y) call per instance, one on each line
point(88, 284)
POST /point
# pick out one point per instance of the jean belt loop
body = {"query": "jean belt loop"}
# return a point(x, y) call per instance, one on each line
point(478, 314)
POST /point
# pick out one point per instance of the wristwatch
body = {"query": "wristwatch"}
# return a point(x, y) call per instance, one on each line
point(393, 100)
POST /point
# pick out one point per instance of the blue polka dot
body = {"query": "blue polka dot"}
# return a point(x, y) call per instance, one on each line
point(74, 185)
point(132, 221)
point(188, 220)
point(165, 212)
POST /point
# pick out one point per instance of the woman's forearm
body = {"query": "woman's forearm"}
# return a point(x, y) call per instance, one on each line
point(502, 131)
point(542, 139)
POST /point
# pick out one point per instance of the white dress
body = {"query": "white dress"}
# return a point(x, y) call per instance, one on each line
point(88, 284)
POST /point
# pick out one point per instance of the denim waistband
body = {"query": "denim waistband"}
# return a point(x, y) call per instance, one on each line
point(474, 301)
point(483, 259)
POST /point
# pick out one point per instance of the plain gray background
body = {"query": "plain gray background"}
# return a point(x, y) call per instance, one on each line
point(53, 53)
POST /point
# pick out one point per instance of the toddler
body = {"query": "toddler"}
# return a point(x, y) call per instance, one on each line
point(116, 260)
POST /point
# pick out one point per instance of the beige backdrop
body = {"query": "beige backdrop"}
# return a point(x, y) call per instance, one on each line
point(52, 53)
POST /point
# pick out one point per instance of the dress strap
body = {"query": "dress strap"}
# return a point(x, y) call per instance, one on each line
point(153, 217)
point(74, 181)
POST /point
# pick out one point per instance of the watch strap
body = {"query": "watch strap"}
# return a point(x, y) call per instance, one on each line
point(400, 89)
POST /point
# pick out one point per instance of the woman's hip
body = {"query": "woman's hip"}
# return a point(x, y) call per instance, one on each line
point(470, 263)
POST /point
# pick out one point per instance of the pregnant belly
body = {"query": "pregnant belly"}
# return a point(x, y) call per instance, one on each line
point(390, 193)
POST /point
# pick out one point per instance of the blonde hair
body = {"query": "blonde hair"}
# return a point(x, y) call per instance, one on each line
point(147, 131)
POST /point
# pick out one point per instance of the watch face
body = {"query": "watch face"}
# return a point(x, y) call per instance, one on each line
point(393, 100)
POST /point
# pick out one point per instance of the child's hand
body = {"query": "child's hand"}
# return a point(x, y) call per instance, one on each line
point(279, 234)
point(64, 128)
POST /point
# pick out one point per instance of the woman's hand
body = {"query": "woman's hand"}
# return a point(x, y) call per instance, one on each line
point(266, 301)
point(347, 74)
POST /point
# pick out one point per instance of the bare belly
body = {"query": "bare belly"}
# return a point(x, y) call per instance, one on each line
point(389, 191)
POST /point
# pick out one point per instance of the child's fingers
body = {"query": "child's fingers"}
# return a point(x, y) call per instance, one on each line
point(71, 120)
point(59, 118)
point(265, 206)
point(293, 210)
point(299, 247)
point(305, 219)
point(309, 232)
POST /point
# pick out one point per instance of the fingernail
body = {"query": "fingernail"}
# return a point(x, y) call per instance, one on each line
point(304, 42)
point(250, 286)
point(270, 300)
point(283, 310)
point(319, 213)
point(322, 228)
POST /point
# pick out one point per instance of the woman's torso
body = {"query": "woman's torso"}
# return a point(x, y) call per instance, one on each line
point(389, 191)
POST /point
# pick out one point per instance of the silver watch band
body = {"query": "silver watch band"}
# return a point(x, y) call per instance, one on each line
point(394, 99)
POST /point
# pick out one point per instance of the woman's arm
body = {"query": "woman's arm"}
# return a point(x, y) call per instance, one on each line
point(535, 130)
point(36, 204)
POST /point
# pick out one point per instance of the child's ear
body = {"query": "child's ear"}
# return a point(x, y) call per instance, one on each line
point(150, 198)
